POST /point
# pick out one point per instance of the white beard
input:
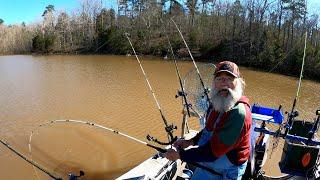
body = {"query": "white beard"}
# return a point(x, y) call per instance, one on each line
point(224, 104)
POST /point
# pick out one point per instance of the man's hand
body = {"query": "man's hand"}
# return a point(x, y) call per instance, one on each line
point(171, 154)
point(182, 144)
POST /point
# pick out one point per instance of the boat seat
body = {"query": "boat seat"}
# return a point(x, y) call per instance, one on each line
point(261, 117)
point(266, 114)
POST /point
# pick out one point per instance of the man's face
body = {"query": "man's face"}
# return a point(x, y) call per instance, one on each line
point(224, 81)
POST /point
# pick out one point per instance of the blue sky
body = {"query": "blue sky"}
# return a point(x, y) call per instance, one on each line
point(18, 11)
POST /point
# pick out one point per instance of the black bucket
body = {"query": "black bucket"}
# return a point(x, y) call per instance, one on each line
point(298, 159)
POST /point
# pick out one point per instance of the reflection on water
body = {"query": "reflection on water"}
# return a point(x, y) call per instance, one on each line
point(111, 91)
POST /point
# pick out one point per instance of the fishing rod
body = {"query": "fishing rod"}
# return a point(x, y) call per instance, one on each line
point(159, 149)
point(314, 129)
point(205, 90)
point(169, 128)
point(182, 92)
point(293, 112)
point(97, 126)
point(288, 124)
point(33, 163)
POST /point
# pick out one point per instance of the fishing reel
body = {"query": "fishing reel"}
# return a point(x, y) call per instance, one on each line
point(180, 93)
point(169, 129)
point(74, 176)
point(291, 117)
point(293, 114)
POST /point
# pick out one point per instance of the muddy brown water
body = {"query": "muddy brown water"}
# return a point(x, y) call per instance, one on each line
point(110, 91)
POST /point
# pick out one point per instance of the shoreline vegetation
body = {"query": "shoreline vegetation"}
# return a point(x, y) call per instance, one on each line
point(263, 35)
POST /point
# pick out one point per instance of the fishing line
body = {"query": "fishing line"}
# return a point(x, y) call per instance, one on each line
point(169, 128)
point(281, 61)
point(33, 163)
point(205, 90)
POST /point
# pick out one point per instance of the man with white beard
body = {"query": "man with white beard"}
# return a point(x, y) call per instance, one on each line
point(224, 144)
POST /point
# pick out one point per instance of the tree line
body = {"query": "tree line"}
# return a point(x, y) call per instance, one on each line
point(264, 34)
